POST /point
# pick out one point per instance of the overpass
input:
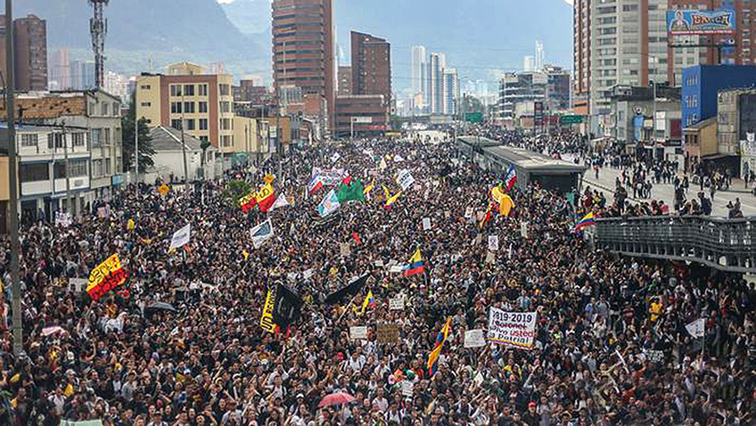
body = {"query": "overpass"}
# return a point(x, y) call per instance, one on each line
point(724, 244)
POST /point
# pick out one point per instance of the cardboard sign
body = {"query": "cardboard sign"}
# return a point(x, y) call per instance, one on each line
point(407, 388)
point(493, 242)
point(396, 303)
point(515, 329)
point(388, 333)
point(77, 285)
point(475, 338)
point(490, 258)
point(524, 229)
point(468, 212)
point(345, 250)
point(426, 224)
point(358, 332)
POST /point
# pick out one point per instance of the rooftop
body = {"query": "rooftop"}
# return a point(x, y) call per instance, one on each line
point(169, 139)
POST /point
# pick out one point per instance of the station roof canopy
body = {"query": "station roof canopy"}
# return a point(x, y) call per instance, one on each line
point(532, 161)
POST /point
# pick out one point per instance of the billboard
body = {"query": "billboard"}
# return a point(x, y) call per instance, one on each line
point(706, 22)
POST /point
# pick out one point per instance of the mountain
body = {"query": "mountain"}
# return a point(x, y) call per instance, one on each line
point(481, 38)
point(149, 34)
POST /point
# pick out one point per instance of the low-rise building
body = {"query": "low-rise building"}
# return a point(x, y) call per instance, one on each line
point(700, 142)
point(736, 115)
point(366, 115)
point(169, 157)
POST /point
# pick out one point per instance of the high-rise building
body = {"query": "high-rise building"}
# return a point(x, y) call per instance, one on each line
point(345, 81)
point(418, 62)
point(540, 56)
point(451, 91)
point(30, 52)
point(436, 66)
point(59, 68)
point(200, 103)
point(303, 50)
point(528, 63)
point(371, 66)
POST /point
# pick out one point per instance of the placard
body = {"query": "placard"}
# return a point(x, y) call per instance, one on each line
point(62, 219)
point(524, 229)
point(77, 285)
point(396, 269)
point(515, 329)
point(493, 242)
point(388, 333)
point(407, 388)
point(358, 332)
point(396, 303)
point(345, 250)
point(378, 263)
point(654, 355)
point(490, 258)
point(475, 338)
point(404, 179)
point(468, 212)
point(307, 274)
point(426, 224)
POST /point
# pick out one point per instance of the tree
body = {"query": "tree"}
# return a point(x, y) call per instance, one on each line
point(236, 189)
point(471, 104)
point(145, 141)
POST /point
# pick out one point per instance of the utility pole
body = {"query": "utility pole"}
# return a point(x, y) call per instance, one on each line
point(70, 206)
point(183, 143)
point(10, 89)
point(136, 137)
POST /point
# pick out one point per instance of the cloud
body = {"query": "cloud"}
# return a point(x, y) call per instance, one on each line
point(225, 1)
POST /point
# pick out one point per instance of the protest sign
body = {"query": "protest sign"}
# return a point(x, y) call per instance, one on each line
point(396, 303)
point(261, 233)
point(475, 338)
point(307, 274)
point(76, 285)
point(396, 269)
point(490, 257)
point(516, 329)
point(697, 328)
point(182, 236)
point(388, 333)
point(468, 212)
point(62, 219)
point(654, 355)
point(345, 249)
point(493, 242)
point(426, 224)
point(404, 179)
point(358, 332)
point(524, 229)
point(407, 388)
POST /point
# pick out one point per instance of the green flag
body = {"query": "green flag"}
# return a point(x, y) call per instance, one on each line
point(351, 192)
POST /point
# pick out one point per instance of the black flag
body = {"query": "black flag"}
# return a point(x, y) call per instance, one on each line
point(286, 307)
point(351, 289)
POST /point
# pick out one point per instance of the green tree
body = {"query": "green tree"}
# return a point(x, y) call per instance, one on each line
point(471, 104)
point(145, 141)
point(236, 189)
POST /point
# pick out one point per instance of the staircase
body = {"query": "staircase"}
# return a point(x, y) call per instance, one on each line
point(725, 244)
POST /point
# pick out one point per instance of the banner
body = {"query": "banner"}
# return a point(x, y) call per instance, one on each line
point(405, 179)
point(475, 338)
point(329, 177)
point(388, 333)
point(358, 332)
point(705, 22)
point(105, 277)
point(493, 242)
point(261, 233)
point(351, 289)
point(515, 329)
point(182, 236)
point(266, 320)
point(697, 328)
point(329, 204)
point(62, 219)
point(287, 305)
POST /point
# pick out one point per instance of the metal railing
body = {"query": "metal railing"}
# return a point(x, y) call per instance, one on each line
point(725, 244)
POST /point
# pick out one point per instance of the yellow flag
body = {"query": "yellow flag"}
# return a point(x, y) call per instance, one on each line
point(391, 200)
point(130, 225)
point(246, 254)
point(506, 205)
point(367, 301)
point(268, 179)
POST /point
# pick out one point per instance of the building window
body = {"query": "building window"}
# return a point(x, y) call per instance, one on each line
point(145, 87)
point(203, 107)
point(224, 89)
point(29, 140)
point(57, 137)
point(175, 90)
point(106, 136)
point(189, 89)
point(78, 139)
point(225, 124)
point(225, 107)
point(176, 124)
point(34, 172)
point(189, 107)
point(175, 107)
point(146, 104)
point(189, 124)
point(104, 109)
point(78, 167)
point(108, 167)
point(202, 89)
point(203, 123)
point(97, 168)
point(95, 137)
point(226, 141)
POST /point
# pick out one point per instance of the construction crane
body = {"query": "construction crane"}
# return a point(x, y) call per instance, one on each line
point(98, 27)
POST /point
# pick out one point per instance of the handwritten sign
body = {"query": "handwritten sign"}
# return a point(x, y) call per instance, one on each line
point(388, 333)
point(493, 242)
point(475, 338)
point(358, 332)
point(396, 303)
point(515, 329)
point(407, 388)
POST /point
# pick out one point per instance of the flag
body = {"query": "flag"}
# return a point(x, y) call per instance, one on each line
point(130, 224)
point(587, 220)
point(248, 201)
point(510, 179)
point(329, 204)
point(347, 179)
point(390, 199)
point(440, 340)
point(182, 236)
point(245, 253)
point(164, 189)
point(486, 218)
point(351, 192)
point(268, 179)
point(697, 328)
point(287, 306)
point(366, 191)
point(315, 184)
point(415, 264)
point(506, 204)
point(356, 238)
point(369, 300)
point(281, 201)
point(265, 198)
point(106, 276)
point(261, 233)
point(351, 289)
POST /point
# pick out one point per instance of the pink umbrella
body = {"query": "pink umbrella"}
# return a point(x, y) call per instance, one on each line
point(335, 399)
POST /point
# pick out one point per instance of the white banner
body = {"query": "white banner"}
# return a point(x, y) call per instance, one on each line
point(62, 219)
point(493, 242)
point(516, 329)
point(358, 332)
point(182, 236)
point(329, 177)
point(261, 233)
point(396, 303)
point(697, 328)
point(475, 338)
point(405, 179)
point(426, 224)
point(329, 204)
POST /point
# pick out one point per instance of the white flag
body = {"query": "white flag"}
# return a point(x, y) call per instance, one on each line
point(281, 201)
point(398, 158)
point(335, 157)
point(329, 204)
point(383, 164)
point(261, 233)
point(182, 236)
point(697, 328)
point(405, 179)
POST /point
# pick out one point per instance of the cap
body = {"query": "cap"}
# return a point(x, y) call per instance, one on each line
point(299, 395)
point(532, 404)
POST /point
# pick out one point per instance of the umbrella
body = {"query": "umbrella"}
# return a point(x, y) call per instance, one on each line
point(160, 306)
point(335, 399)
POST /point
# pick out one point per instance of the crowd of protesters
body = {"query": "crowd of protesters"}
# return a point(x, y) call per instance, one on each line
point(611, 346)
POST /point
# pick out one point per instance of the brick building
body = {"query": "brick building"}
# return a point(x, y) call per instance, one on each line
point(30, 52)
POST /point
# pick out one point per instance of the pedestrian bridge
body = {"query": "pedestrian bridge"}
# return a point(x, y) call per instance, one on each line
point(725, 244)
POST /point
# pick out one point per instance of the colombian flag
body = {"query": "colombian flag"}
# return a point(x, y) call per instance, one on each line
point(440, 340)
point(415, 265)
point(369, 301)
point(587, 220)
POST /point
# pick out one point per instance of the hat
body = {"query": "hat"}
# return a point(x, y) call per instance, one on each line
point(299, 395)
point(532, 404)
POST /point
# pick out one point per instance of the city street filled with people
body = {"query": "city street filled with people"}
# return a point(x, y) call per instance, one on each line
point(373, 287)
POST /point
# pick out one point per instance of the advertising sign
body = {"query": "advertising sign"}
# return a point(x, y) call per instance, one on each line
point(706, 22)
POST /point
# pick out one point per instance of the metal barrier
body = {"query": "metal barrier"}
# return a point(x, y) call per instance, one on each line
point(725, 244)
